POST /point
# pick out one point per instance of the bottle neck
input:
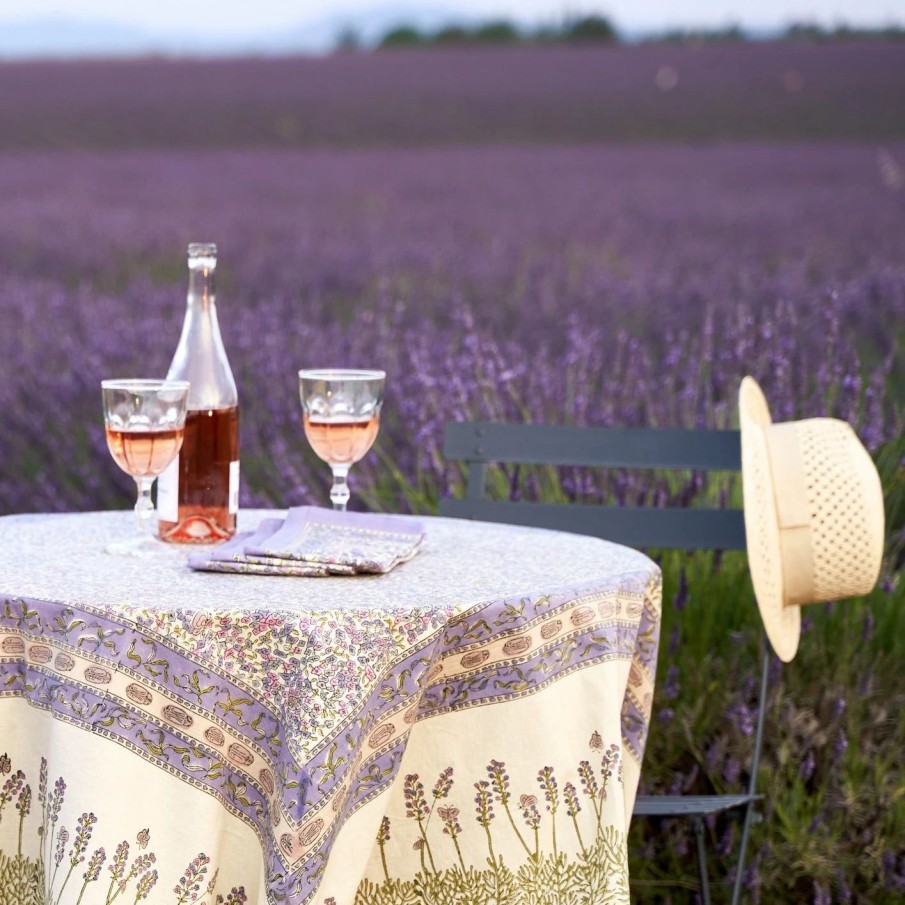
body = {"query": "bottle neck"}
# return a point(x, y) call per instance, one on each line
point(201, 288)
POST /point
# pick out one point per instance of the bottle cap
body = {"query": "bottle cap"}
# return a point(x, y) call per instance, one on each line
point(202, 255)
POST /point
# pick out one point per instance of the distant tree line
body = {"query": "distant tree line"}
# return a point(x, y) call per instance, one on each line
point(595, 30)
point(587, 29)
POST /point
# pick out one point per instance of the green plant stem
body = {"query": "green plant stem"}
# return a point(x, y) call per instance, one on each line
point(383, 859)
point(68, 875)
point(517, 832)
point(458, 852)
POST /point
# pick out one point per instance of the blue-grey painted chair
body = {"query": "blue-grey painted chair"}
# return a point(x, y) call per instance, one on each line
point(481, 443)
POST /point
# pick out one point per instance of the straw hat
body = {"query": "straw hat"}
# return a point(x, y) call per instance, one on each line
point(813, 514)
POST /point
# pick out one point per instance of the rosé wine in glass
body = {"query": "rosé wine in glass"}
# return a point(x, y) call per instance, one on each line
point(144, 422)
point(341, 419)
point(143, 453)
point(341, 442)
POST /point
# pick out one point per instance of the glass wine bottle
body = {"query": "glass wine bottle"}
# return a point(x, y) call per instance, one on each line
point(198, 494)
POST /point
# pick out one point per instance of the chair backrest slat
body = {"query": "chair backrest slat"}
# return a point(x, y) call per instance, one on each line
point(480, 443)
point(686, 529)
point(613, 447)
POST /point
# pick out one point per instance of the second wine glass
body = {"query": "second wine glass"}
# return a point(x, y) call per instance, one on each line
point(341, 417)
point(144, 422)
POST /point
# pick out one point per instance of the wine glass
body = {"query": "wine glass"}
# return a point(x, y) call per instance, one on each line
point(144, 421)
point(341, 416)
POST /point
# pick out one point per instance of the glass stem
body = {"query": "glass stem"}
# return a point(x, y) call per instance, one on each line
point(144, 507)
point(339, 492)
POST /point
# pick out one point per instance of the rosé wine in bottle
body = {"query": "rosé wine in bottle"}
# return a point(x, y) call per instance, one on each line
point(198, 494)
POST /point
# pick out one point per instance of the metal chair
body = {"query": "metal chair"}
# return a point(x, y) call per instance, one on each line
point(481, 443)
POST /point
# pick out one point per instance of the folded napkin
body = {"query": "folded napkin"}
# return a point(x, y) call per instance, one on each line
point(316, 542)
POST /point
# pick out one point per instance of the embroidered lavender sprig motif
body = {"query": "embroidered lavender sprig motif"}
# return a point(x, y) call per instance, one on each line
point(612, 762)
point(145, 885)
point(597, 873)
point(23, 806)
point(573, 808)
point(43, 801)
point(139, 869)
point(190, 883)
point(443, 784)
point(499, 779)
point(547, 782)
point(35, 880)
point(416, 806)
point(531, 816)
point(383, 836)
point(117, 871)
point(92, 871)
point(11, 789)
point(54, 805)
point(452, 828)
point(83, 831)
point(590, 786)
point(58, 855)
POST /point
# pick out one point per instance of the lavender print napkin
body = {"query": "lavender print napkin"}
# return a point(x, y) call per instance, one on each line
point(317, 542)
point(360, 541)
point(230, 557)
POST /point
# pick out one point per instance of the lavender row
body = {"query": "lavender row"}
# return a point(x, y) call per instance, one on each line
point(588, 286)
point(757, 91)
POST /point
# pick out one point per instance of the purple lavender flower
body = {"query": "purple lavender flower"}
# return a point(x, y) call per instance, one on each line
point(484, 803)
point(499, 780)
point(42, 781)
point(530, 813)
point(444, 784)
point(415, 801)
point(570, 796)
point(83, 831)
point(23, 804)
point(186, 889)
point(806, 770)
point(236, 896)
point(671, 685)
point(147, 882)
point(549, 786)
point(117, 866)
point(95, 863)
point(11, 788)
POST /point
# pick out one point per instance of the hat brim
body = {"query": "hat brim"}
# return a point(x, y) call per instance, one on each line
point(782, 623)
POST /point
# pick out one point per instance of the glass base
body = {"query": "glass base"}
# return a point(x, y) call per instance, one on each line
point(144, 545)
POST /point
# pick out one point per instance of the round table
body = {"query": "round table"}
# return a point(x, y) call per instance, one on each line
point(469, 723)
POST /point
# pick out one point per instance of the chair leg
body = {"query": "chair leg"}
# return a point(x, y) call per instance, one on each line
point(702, 861)
point(743, 845)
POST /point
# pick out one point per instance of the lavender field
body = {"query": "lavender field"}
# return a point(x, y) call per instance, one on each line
point(513, 266)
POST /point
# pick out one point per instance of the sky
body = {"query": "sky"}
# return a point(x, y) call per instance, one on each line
point(240, 16)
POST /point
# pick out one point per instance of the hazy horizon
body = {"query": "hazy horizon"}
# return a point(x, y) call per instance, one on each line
point(55, 28)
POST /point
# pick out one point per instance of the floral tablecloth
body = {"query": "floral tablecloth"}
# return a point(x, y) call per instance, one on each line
point(468, 728)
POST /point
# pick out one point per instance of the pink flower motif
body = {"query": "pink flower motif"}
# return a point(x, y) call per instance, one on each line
point(596, 742)
point(200, 621)
point(143, 838)
point(526, 801)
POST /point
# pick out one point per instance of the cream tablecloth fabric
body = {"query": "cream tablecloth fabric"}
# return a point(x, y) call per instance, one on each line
point(468, 728)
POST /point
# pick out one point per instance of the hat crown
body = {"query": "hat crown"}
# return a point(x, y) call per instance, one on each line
point(845, 502)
